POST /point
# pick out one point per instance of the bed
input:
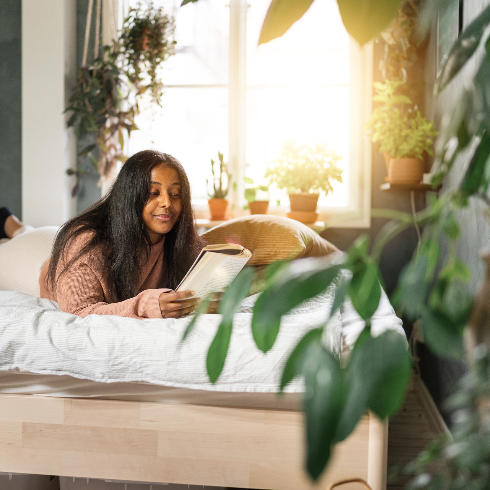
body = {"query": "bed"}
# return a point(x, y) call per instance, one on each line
point(62, 413)
point(104, 397)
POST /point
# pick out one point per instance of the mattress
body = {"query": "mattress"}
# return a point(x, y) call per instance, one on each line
point(48, 352)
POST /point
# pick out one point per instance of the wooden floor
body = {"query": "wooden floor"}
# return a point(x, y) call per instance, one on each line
point(412, 428)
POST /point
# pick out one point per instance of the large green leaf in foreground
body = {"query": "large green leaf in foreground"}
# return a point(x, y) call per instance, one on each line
point(282, 14)
point(377, 377)
point(301, 280)
point(229, 304)
point(366, 19)
point(323, 400)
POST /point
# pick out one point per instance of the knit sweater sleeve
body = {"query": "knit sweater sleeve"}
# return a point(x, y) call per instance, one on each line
point(79, 291)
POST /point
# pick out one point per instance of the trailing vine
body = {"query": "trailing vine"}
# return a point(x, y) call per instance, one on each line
point(105, 100)
point(147, 40)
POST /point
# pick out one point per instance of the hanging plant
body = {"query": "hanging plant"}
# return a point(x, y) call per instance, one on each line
point(105, 100)
point(147, 40)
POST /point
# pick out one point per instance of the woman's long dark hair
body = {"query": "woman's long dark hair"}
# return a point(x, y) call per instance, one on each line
point(117, 227)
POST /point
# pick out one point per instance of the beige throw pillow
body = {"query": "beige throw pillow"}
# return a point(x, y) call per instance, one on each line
point(270, 238)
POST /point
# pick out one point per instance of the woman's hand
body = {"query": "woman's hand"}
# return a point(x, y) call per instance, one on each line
point(176, 305)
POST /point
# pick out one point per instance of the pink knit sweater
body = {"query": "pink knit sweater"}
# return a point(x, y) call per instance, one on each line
point(83, 289)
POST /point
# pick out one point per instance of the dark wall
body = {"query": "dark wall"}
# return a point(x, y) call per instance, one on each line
point(88, 192)
point(10, 106)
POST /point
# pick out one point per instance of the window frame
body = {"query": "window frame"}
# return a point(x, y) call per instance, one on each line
point(357, 213)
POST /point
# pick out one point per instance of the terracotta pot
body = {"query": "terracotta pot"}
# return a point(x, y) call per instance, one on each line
point(217, 209)
point(258, 207)
point(303, 216)
point(303, 201)
point(405, 171)
point(145, 40)
point(387, 157)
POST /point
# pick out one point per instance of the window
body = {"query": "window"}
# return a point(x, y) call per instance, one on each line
point(224, 93)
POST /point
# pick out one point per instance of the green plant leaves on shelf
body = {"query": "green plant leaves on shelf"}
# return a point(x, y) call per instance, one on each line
point(366, 19)
point(464, 48)
point(322, 402)
point(297, 282)
point(377, 377)
point(228, 306)
point(282, 14)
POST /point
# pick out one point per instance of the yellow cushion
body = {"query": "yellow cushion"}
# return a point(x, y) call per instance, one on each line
point(270, 238)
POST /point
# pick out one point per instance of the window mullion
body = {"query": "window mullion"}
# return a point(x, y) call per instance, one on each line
point(236, 124)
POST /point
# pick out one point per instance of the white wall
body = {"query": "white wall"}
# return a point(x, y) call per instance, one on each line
point(48, 73)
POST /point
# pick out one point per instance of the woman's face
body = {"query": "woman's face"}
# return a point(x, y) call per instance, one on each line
point(164, 204)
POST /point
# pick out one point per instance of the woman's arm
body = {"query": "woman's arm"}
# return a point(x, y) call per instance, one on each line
point(79, 291)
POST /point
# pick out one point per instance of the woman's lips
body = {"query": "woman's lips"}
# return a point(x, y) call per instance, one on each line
point(163, 217)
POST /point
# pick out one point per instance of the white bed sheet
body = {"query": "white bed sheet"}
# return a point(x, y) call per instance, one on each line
point(250, 379)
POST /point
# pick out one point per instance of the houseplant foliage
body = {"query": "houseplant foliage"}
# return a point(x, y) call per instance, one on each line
point(252, 191)
point(433, 288)
point(105, 100)
point(220, 185)
point(147, 40)
point(396, 126)
point(305, 168)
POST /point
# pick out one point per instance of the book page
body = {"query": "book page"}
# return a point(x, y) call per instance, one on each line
point(215, 272)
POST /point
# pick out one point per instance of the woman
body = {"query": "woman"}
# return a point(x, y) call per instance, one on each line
point(116, 257)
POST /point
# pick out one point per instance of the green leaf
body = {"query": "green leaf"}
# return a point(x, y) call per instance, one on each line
point(473, 178)
point(441, 334)
point(377, 377)
point(236, 292)
point(450, 226)
point(218, 350)
point(299, 281)
point(340, 294)
point(364, 289)
point(228, 306)
point(322, 401)
point(293, 365)
point(366, 19)
point(282, 14)
point(464, 48)
point(412, 288)
point(201, 309)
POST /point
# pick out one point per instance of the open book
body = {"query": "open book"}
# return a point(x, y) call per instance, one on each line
point(214, 269)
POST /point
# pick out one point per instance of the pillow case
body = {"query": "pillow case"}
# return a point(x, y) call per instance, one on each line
point(22, 258)
point(270, 238)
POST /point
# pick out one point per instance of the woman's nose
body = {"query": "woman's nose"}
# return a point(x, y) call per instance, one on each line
point(164, 200)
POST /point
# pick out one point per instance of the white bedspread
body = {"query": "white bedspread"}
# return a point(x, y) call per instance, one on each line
point(36, 337)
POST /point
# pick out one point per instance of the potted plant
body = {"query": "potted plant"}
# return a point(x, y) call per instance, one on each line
point(305, 171)
point(147, 40)
point(256, 206)
point(217, 201)
point(401, 132)
point(105, 100)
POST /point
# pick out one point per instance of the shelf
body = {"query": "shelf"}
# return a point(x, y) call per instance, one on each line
point(388, 186)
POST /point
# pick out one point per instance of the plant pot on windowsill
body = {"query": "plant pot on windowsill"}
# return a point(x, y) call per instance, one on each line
point(303, 207)
point(217, 208)
point(258, 207)
point(405, 171)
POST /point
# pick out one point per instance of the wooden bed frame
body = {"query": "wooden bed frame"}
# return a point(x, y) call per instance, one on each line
point(177, 443)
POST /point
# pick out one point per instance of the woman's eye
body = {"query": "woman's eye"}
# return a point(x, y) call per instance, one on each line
point(175, 195)
point(154, 193)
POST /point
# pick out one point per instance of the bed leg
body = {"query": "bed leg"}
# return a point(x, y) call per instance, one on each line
point(378, 453)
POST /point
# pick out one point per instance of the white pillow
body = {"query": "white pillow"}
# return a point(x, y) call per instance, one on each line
point(22, 258)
